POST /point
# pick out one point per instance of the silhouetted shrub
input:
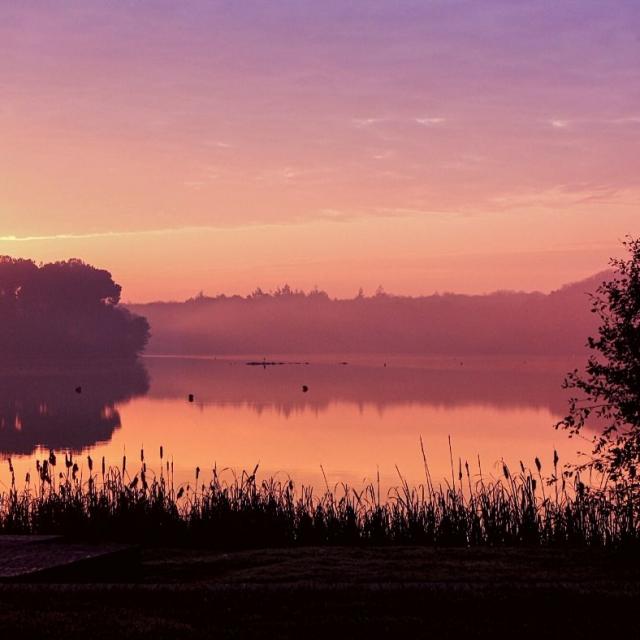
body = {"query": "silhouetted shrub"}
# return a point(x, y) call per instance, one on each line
point(608, 391)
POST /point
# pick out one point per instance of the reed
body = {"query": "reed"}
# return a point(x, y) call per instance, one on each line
point(238, 511)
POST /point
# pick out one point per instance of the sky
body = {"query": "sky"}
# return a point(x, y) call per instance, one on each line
point(430, 145)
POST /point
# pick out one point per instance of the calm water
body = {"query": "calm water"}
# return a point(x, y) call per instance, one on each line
point(355, 419)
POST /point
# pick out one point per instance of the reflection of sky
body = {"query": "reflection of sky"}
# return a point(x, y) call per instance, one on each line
point(442, 383)
point(466, 145)
point(353, 419)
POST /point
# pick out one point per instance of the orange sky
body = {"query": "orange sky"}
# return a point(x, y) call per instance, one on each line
point(222, 146)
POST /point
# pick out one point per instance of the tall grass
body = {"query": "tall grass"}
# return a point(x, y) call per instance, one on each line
point(231, 511)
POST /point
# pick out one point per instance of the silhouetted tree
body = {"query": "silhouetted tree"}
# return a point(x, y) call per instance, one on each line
point(65, 308)
point(610, 384)
point(15, 273)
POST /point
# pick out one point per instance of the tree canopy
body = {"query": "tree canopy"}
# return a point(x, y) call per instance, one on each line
point(608, 390)
point(66, 308)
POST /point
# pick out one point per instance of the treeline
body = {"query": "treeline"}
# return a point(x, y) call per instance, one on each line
point(291, 321)
point(64, 309)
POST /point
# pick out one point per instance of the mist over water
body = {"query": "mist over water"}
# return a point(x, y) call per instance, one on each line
point(359, 416)
point(293, 322)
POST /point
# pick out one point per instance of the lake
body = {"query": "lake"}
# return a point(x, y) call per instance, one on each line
point(359, 417)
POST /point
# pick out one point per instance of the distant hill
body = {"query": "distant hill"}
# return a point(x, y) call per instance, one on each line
point(289, 321)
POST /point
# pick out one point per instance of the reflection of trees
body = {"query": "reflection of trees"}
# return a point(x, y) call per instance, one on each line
point(40, 407)
point(452, 383)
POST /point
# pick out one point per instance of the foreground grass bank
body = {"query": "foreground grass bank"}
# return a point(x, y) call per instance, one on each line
point(239, 511)
point(338, 592)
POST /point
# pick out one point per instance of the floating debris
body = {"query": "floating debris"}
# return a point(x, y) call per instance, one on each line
point(264, 363)
point(305, 388)
point(273, 363)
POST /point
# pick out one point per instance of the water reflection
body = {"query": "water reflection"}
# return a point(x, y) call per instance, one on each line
point(382, 383)
point(68, 407)
point(355, 420)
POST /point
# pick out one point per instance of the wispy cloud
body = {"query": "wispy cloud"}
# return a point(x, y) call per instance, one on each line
point(219, 144)
point(563, 123)
point(366, 122)
point(194, 184)
point(564, 196)
point(625, 120)
point(100, 234)
point(430, 121)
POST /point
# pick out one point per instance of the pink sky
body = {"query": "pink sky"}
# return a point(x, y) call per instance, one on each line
point(421, 145)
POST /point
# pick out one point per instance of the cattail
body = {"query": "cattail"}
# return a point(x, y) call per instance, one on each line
point(141, 455)
point(124, 464)
point(197, 473)
point(161, 452)
point(90, 463)
point(538, 465)
point(104, 466)
point(52, 458)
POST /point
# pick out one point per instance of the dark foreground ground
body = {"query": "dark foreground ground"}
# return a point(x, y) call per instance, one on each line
point(333, 593)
